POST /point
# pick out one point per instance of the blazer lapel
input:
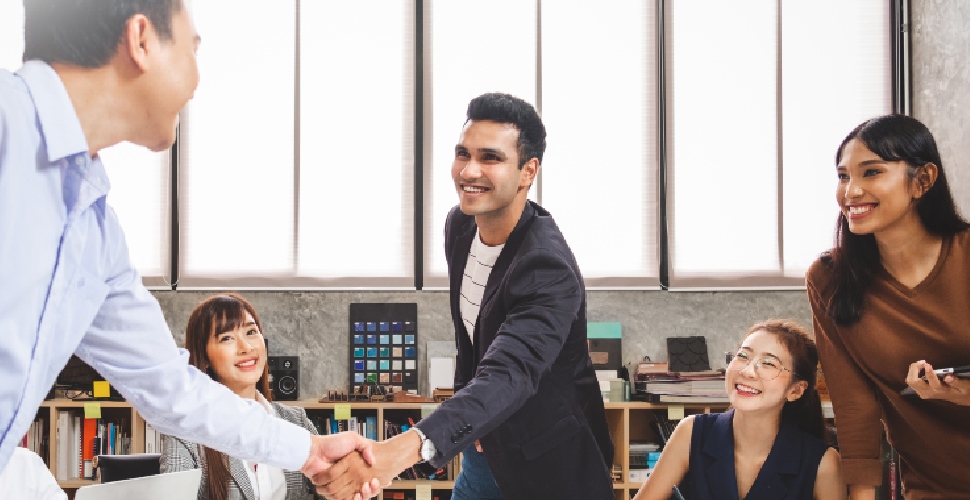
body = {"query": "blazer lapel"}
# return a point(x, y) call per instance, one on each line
point(510, 250)
point(463, 233)
point(238, 472)
point(719, 454)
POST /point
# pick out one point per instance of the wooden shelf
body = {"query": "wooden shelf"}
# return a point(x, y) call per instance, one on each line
point(626, 420)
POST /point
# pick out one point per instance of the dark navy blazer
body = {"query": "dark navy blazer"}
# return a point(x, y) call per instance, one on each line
point(527, 387)
point(788, 472)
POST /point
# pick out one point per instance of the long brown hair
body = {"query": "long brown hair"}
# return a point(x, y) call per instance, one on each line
point(805, 412)
point(213, 316)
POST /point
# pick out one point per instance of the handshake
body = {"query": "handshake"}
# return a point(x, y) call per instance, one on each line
point(346, 466)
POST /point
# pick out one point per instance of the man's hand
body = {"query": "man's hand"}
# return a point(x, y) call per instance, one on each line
point(949, 388)
point(342, 480)
point(325, 450)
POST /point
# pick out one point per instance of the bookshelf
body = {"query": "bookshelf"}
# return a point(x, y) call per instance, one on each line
point(628, 421)
point(120, 412)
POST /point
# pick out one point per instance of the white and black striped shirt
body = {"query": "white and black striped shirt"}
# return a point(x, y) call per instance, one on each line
point(481, 259)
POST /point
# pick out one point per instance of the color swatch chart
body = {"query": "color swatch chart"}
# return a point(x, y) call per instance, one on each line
point(384, 344)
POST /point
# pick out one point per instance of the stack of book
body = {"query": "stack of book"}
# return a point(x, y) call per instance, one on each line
point(661, 386)
point(643, 458)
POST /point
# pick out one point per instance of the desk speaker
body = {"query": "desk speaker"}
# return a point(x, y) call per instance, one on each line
point(284, 377)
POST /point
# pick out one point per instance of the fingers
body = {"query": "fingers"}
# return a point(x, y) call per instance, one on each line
point(370, 489)
point(331, 473)
point(478, 446)
point(366, 449)
point(342, 480)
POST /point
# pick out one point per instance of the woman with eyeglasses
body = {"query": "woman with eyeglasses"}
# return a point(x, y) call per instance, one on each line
point(769, 444)
point(225, 340)
point(891, 302)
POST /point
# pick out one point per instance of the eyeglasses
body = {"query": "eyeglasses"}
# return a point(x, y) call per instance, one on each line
point(767, 367)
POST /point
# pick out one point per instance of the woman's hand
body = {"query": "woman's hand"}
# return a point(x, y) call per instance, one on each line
point(950, 388)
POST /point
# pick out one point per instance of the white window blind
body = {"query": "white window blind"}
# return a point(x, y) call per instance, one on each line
point(11, 34)
point(468, 57)
point(300, 181)
point(357, 142)
point(761, 93)
point(141, 197)
point(599, 106)
point(237, 148)
point(837, 74)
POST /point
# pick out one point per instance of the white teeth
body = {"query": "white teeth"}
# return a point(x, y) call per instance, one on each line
point(859, 210)
point(247, 363)
point(473, 189)
point(744, 388)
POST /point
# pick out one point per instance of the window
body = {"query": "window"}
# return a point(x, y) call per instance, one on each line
point(11, 35)
point(595, 88)
point(713, 121)
point(762, 93)
point(296, 164)
point(476, 47)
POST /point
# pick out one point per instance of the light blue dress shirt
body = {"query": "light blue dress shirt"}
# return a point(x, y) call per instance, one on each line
point(67, 286)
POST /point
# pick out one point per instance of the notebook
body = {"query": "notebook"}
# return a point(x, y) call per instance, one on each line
point(183, 485)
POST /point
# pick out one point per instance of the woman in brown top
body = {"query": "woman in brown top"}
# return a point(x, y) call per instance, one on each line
point(891, 300)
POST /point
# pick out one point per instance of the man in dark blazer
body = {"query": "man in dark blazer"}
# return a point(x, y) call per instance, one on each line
point(525, 386)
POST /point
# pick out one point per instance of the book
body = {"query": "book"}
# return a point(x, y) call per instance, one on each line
point(77, 464)
point(707, 399)
point(371, 431)
point(89, 433)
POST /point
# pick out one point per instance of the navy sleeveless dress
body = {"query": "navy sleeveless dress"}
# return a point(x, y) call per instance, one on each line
point(788, 473)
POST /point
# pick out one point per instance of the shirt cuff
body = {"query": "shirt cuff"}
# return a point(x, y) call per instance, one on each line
point(293, 448)
point(862, 471)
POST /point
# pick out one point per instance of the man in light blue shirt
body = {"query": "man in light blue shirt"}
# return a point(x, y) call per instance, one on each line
point(100, 72)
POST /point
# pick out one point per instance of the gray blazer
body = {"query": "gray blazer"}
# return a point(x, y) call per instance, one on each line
point(178, 455)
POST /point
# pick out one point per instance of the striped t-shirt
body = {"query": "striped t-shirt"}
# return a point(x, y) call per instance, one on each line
point(481, 259)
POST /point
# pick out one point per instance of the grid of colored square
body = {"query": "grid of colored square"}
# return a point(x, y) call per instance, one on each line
point(384, 344)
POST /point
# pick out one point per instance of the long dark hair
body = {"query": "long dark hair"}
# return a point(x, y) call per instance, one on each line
point(805, 412)
point(213, 316)
point(855, 259)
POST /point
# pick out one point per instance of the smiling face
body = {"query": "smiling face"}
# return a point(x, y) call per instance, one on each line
point(489, 182)
point(761, 357)
point(875, 195)
point(238, 357)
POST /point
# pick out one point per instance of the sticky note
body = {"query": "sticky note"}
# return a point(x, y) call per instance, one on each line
point(92, 410)
point(427, 410)
point(422, 492)
point(675, 412)
point(341, 411)
point(102, 389)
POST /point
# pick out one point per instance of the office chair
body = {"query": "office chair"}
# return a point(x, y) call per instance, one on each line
point(119, 467)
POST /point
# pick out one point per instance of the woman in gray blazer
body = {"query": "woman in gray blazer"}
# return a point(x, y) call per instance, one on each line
point(224, 339)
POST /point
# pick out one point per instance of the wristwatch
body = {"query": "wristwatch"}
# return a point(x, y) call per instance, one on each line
point(428, 449)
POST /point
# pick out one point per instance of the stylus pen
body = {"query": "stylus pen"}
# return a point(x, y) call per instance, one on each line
point(677, 494)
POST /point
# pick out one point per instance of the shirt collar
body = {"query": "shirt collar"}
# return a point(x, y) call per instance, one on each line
point(59, 123)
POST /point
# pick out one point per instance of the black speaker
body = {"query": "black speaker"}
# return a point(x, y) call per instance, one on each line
point(284, 377)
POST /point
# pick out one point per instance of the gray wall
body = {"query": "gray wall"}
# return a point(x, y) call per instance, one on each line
point(941, 85)
point(313, 325)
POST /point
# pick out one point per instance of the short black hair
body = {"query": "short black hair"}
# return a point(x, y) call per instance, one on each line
point(505, 108)
point(86, 33)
